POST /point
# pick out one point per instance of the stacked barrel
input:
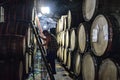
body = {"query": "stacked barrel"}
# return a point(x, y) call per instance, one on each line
point(93, 51)
point(16, 39)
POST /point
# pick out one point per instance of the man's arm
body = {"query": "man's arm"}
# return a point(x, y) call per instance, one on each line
point(46, 41)
point(43, 44)
point(43, 38)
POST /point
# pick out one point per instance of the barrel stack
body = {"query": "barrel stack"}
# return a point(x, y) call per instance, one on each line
point(93, 50)
point(69, 55)
point(16, 39)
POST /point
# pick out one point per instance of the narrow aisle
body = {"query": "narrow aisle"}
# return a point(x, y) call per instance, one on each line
point(40, 71)
point(61, 73)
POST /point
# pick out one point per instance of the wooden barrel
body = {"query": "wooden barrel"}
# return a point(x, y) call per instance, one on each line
point(26, 65)
point(64, 17)
point(77, 63)
point(34, 45)
point(16, 10)
point(28, 37)
point(74, 15)
point(60, 25)
point(31, 39)
point(30, 62)
point(91, 8)
point(65, 53)
point(17, 28)
point(12, 46)
point(57, 27)
point(89, 67)
point(58, 53)
point(84, 37)
point(109, 69)
point(2, 14)
point(69, 61)
point(73, 39)
point(67, 38)
point(27, 31)
point(88, 9)
point(11, 70)
point(60, 38)
point(63, 38)
point(105, 35)
point(69, 20)
point(61, 53)
point(73, 19)
point(21, 71)
point(65, 22)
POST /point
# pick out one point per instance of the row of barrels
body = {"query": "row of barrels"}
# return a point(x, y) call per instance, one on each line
point(88, 66)
point(18, 43)
point(95, 40)
point(17, 40)
point(85, 10)
point(75, 38)
point(101, 37)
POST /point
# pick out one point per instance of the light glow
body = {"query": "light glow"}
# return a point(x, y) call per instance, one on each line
point(45, 10)
point(44, 27)
point(39, 15)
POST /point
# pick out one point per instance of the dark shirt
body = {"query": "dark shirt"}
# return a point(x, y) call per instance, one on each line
point(52, 45)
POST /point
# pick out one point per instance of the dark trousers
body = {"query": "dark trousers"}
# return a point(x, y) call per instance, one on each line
point(51, 60)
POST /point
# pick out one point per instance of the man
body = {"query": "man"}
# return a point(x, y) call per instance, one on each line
point(51, 47)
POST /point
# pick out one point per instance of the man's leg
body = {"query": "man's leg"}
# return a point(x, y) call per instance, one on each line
point(52, 63)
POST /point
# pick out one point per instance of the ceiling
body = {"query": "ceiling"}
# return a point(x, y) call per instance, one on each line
point(57, 7)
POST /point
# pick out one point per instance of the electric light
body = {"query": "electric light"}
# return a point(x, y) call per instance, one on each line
point(45, 10)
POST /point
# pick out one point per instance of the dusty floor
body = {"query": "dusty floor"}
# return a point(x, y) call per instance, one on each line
point(41, 72)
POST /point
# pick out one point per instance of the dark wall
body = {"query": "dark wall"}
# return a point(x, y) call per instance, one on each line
point(18, 10)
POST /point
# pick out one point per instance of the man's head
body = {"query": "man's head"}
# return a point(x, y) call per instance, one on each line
point(46, 33)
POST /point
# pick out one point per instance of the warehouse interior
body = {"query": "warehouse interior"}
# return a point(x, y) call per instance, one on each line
point(87, 32)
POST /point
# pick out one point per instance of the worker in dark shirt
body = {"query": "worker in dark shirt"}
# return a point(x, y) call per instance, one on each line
point(51, 47)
